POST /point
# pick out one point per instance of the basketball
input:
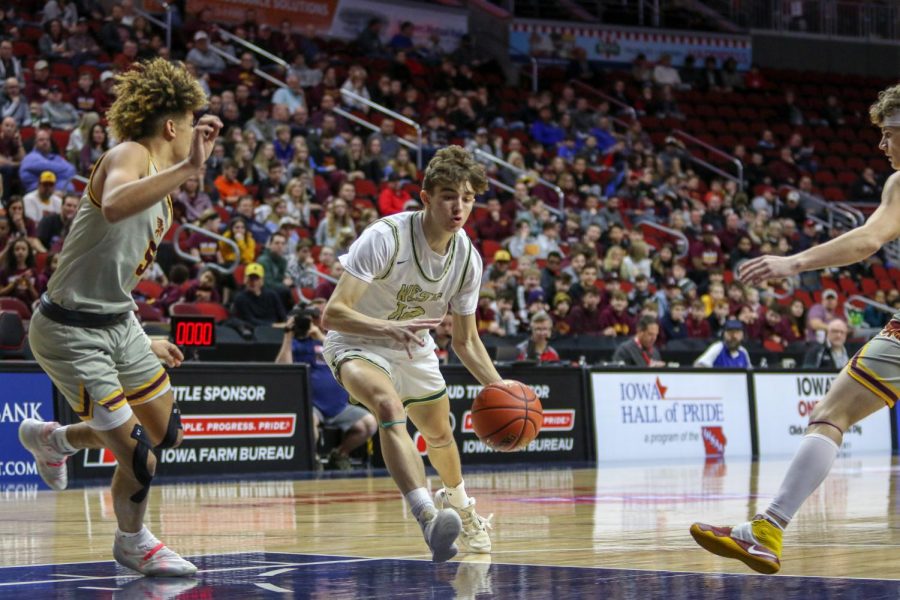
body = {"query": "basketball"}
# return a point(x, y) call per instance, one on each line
point(507, 416)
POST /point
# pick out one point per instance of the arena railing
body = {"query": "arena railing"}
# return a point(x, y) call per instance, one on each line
point(625, 108)
point(372, 127)
point(738, 179)
point(253, 48)
point(256, 70)
point(829, 214)
point(394, 115)
point(682, 245)
point(215, 236)
point(560, 212)
point(165, 25)
point(851, 304)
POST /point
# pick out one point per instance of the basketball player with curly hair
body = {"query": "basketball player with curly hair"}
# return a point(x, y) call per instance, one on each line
point(400, 277)
point(870, 380)
point(85, 334)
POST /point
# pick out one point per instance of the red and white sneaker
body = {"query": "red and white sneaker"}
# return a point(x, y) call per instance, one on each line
point(149, 556)
point(51, 463)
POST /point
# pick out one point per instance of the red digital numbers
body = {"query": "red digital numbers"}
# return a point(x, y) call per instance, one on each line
point(194, 333)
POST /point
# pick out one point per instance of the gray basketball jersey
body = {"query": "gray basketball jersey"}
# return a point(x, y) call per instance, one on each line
point(101, 262)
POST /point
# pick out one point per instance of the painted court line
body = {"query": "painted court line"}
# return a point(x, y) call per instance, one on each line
point(274, 588)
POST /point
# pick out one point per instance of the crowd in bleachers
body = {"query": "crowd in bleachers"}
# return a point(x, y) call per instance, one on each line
point(292, 183)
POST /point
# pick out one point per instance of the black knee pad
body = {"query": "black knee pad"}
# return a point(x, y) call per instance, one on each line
point(171, 438)
point(139, 463)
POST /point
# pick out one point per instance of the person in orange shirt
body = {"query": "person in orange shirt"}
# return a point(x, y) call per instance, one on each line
point(393, 197)
point(229, 188)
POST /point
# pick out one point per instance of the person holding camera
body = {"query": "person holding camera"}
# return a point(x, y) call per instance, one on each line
point(302, 343)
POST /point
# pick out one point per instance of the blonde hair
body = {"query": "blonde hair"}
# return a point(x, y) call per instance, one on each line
point(453, 167)
point(150, 92)
point(888, 103)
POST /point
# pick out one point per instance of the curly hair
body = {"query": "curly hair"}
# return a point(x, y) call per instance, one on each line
point(452, 167)
point(148, 93)
point(888, 103)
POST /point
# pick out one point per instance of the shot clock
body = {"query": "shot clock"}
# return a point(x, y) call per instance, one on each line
point(193, 331)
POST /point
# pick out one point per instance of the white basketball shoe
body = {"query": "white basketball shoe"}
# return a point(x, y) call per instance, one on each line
point(474, 537)
point(51, 463)
point(441, 530)
point(149, 556)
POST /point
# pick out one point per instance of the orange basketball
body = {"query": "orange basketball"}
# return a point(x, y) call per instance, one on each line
point(507, 415)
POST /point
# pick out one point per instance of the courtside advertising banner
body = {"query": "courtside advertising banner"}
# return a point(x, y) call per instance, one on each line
point(237, 418)
point(784, 402)
point(645, 415)
point(27, 394)
point(565, 432)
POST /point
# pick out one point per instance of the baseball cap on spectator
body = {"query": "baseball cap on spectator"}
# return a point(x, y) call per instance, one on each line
point(255, 270)
point(670, 282)
point(207, 215)
point(793, 196)
point(687, 285)
point(561, 297)
point(288, 222)
point(481, 131)
point(708, 228)
point(41, 64)
point(48, 177)
point(55, 88)
point(201, 35)
point(535, 296)
point(106, 75)
point(829, 294)
point(809, 223)
point(612, 276)
point(733, 325)
point(502, 256)
point(487, 293)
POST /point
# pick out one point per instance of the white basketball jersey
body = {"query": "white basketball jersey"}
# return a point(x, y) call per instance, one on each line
point(407, 279)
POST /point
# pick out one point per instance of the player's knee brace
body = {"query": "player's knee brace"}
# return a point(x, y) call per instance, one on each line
point(170, 439)
point(140, 463)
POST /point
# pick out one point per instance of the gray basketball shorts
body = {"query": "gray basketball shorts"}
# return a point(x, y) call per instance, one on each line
point(101, 372)
point(877, 364)
point(345, 419)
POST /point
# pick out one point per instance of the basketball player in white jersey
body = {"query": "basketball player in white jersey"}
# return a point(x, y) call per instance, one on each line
point(86, 336)
point(870, 380)
point(400, 277)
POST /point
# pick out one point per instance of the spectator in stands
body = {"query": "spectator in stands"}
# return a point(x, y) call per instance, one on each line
point(302, 344)
point(302, 268)
point(44, 200)
point(584, 318)
point(443, 341)
point(95, 145)
point(336, 222)
point(548, 240)
point(43, 158)
point(664, 73)
point(615, 320)
point(369, 43)
point(833, 112)
point(776, 332)
point(789, 112)
point(15, 105)
point(819, 315)
point(673, 325)
point(697, 323)
point(754, 79)
point(728, 353)
point(537, 346)
point(58, 113)
point(356, 84)
point(731, 79)
point(326, 287)
point(245, 209)
point(275, 265)
point(388, 140)
point(194, 201)
point(291, 96)
point(867, 187)
point(19, 278)
point(691, 76)
point(12, 152)
point(20, 225)
point(831, 355)
point(402, 40)
point(255, 304)
point(81, 45)
point(124, 60)
point(53, 228)
point(10, 66)
point(237, 232)
point(641, 350)
point(227, 185)
point(205, 59)
point(494, 225)
point(710, 78)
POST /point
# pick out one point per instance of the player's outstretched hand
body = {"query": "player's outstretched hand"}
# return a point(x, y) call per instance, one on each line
point(167, 352)
point(405, 332)
point(763, 268)
point(205, 133)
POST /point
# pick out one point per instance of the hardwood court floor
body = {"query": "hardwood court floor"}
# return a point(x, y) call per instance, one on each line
point(612, 517)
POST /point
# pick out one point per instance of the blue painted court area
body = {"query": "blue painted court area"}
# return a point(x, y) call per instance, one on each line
point(272, 575)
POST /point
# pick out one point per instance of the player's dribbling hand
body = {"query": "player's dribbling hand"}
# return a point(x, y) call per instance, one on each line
point(167, 352)
point(205, 133)
point(405, 332)
point(763, 268)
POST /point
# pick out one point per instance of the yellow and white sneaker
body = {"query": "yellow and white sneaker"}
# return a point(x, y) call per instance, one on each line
point(756, 543)
point(474, 536)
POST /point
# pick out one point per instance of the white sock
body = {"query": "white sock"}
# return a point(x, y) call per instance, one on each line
point(807, 471)
point(133, 537)
point(457, 495)
point(60, 442)
point(419, 502)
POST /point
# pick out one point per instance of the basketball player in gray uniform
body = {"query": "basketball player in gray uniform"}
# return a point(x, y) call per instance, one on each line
point(400, 277)
point(870, 380)
point(85, 334)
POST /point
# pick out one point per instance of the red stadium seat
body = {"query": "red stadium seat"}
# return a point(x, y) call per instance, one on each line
point(213, 309)
point(148, 312)
point(366, 187)
point(15, 305)
point(149, 289)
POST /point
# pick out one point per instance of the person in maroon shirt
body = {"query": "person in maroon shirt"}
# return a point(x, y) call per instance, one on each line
point(776, 332)
point(706, 253)
point(585, 318)
point(494, 226)
point(729, 236)
point(615, 319)
point(697, 323)
point(753, 324)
